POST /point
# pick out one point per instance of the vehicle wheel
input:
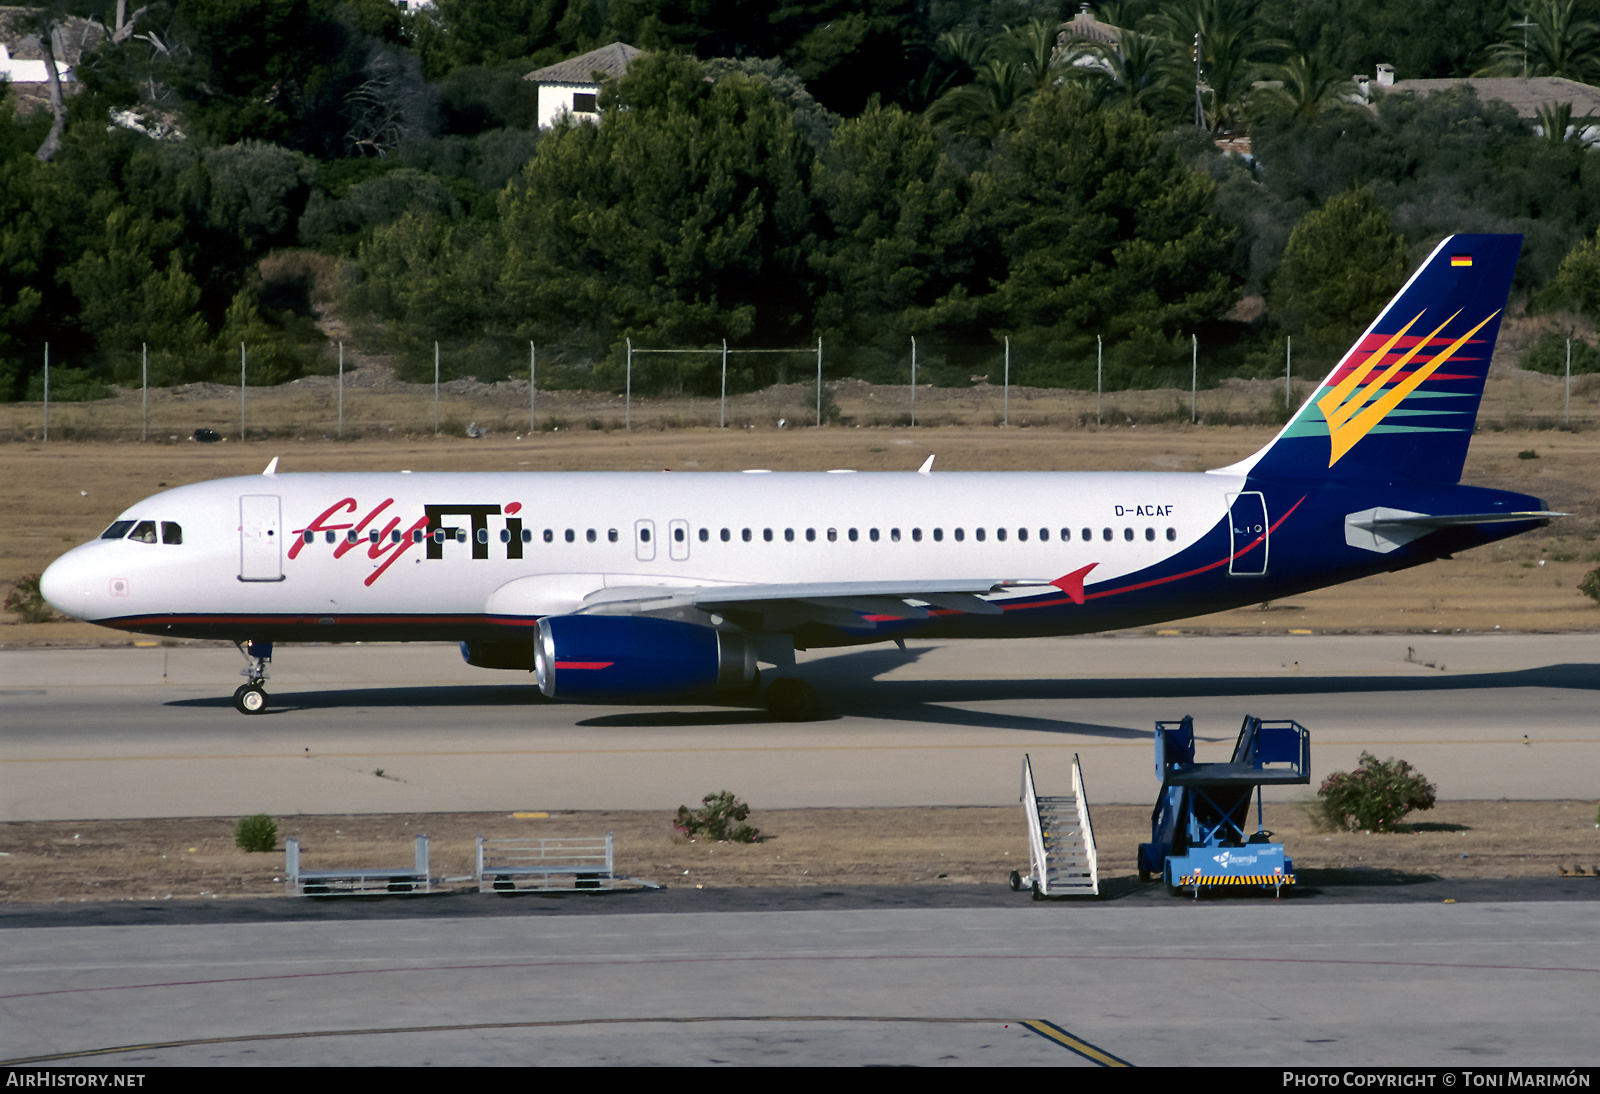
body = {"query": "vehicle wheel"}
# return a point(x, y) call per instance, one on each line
point(792, 701)
point(1144, 875)
point(1037, 895)
point(250, 699)
point(1016, 882)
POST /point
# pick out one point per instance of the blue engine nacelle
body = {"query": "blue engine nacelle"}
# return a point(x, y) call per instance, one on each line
point(628, 656)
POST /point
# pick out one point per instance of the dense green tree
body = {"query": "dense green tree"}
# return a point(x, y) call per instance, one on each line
point(1342, 263)
point(1551, 39)
point(682, 217)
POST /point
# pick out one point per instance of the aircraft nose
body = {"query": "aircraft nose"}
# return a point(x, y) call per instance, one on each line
point(66, 585)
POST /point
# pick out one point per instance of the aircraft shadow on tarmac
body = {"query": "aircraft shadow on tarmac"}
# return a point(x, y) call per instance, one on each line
point(848, 686)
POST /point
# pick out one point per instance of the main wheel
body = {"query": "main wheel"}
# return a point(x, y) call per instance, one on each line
point(1016, 881)
point(250, 699)
point(792, 701)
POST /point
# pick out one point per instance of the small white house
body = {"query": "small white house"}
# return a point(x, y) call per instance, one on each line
point(15, 71)
point(573, 86)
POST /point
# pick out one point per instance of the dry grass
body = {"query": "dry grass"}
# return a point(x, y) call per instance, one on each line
point(196, 858)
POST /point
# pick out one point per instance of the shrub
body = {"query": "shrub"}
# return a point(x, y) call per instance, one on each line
point(1373, 797)
point(26, 600)
point(257, 833)
point(717, 819)
point(1589, 586)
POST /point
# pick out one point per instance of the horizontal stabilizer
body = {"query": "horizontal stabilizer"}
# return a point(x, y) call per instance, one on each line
point(1383, 530)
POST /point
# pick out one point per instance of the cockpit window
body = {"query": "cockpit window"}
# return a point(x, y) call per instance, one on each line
point(171, 532)
point(144, 532)
point(117, 530)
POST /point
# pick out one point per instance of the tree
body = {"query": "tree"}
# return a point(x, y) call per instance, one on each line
point(1342, 264)
point(1551, 40)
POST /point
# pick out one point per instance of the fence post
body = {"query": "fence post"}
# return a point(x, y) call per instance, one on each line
point(47, 392)
point(1288, 373)
point(1099, 375)
point(1568, 415)
point(819, 380)
point(436, 389)
point(533, 387)
point(1006, 404)
point(627, 405)
point(341, 391)
point(242, 363)
point(913, 379)
point(722, 410)
point(1194, 379)
point(144, 391)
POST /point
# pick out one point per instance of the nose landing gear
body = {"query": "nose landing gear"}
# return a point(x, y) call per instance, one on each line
point(251, 697)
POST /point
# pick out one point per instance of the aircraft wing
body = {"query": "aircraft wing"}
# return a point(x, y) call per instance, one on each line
point(783, 607)
point(776, 607)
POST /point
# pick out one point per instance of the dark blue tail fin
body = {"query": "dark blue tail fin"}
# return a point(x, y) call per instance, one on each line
point(1402, 402)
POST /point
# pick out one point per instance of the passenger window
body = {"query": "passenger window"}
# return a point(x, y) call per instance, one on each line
point(705, 535)
point(872, 534)
point(527, 535)
point(1105, 534)
point(916, 535)
point(833, 535)
point(329, 536)
point(811, 535)
point(960, 535)
point(1127, 534)
point(1066, 535)
point(572, 536)
point(438, 535)
point(1172, 534)
point(788, 535)
point(120, 529)
point(894, 534)
point(505, 535)
point(1088, 534)
point(350, 536)
point(644, 535)
point(549, 535)
point(746, 535)
point(726, 535)
point(461, 536)
point(977, 534)
point(1150, 535)
point(311, 537)
point(611, 535)
point(171, 533)
point(1022, 535)
point(853, 535)
point(1000, 534)
point(1044, 535)
point(938, 535)
point(766, 534)
point(590, 535)
point(417, 535)
point(678, 535)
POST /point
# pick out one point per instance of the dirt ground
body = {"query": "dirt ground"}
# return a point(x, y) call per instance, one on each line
point(196, 858)
point(66, 491)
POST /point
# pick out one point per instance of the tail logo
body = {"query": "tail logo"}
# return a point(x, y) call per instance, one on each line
point(1355, 405)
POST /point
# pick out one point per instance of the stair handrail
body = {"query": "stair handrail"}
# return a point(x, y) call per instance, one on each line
point(1086, 823)
point(1036, 852)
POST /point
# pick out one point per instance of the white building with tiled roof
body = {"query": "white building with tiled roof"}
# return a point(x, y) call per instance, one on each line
point(573, 86)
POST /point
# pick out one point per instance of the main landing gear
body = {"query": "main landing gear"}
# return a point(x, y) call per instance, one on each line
point(251, 698)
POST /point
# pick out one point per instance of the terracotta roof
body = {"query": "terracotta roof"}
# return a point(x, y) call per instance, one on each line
point(612, 60)
point(1526, 94)
point(1084, 25)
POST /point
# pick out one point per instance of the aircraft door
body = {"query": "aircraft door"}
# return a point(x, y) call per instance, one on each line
point(644, 540)
point(678, 540)
point(260, 538)
point(1247, 527)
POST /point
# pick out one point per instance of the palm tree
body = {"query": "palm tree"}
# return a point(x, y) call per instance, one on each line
point(1310, 86)
point(1553, 42)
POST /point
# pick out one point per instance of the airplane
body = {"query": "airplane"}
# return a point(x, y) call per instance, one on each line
point(639, 586)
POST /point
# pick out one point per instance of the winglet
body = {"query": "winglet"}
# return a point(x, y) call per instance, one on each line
point(1072, 584)
point(927, 467)
point(272, 468)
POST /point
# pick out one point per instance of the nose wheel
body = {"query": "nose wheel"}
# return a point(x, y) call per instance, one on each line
point(251, 698)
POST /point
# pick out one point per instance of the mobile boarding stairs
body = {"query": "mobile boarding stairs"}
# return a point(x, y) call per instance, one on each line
point(1061, 851)
point(1197, 829)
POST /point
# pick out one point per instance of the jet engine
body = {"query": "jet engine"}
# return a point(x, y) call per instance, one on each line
point(600, 657)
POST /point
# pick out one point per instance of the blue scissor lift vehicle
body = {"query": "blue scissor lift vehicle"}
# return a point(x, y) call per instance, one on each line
point(1197, 829)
